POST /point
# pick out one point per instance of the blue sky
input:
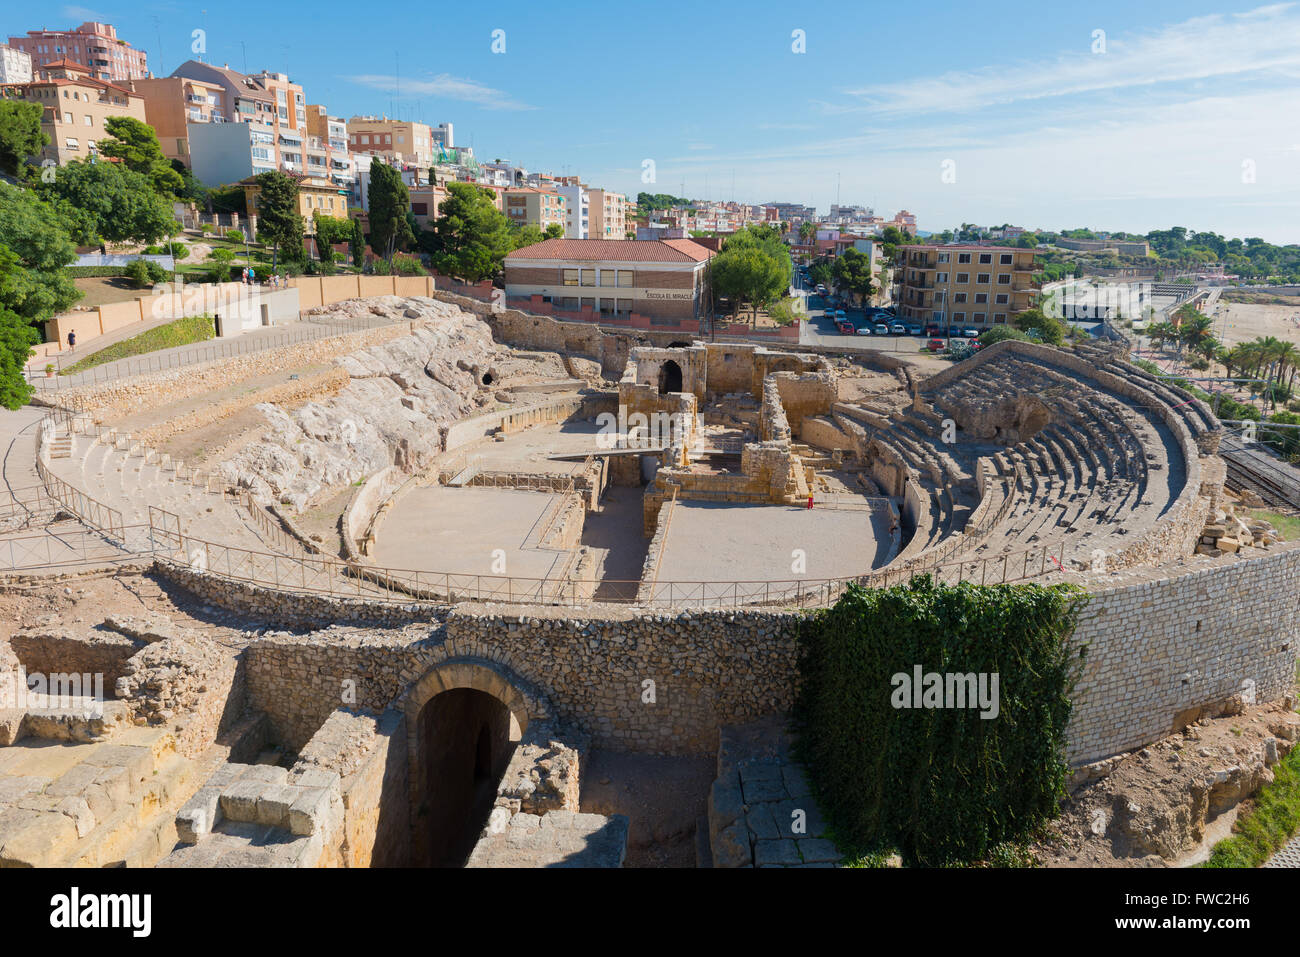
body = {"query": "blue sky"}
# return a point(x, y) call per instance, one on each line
point(1188, 115)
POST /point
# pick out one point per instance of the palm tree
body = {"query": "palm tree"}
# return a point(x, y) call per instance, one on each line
point(1193, 330)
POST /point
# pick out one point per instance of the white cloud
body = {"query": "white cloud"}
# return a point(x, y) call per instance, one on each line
point(447, 86)
point(82, 14)
point(1217, 46)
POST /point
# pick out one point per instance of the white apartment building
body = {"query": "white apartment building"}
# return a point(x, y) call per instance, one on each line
point(577, 211)
point(15, 65)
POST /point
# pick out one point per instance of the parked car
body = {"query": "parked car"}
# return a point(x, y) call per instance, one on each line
point(845, 327)
point(882, 329)
point(934, 329)
point(821, 289)
point(970, 332)
point(866, 329)
point(935, 344)
point(915, 329)
point(898, 329)
point(841, 314)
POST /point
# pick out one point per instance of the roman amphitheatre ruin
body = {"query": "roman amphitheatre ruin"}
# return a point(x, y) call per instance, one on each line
point(449, 585)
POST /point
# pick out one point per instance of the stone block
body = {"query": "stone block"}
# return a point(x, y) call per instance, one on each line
point(776, 852)
point(199, 815)
point(274, 803)
point(238, 802)
point(309, 811)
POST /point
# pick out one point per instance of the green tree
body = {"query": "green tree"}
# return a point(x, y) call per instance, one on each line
point(554, 231)
point(526, 235)
point(20, 134)
point(279, 224)
point(852, 272)
point(357, 243)
point(1049, 328)
point(330, 231)
point(33, 231)
point(136, 145)
point(754, 265)
point(390, 201)
point(470, 238)
point(17, 336)
point(119, 204)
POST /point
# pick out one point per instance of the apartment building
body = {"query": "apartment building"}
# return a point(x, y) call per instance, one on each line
point(659, 279)
point(904, 222)
point(399, 142)
point(15, 65)
point(608, 214)
point(95, 45)
point(76, 105)
point(577, 210)
point(965, 285)
point(442, 136)
point(172, 103)
point(315, 195)
point(526, 206)
point(273, 109)
point(328, 141)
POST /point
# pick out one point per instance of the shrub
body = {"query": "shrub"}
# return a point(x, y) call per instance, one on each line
point(941, 785)
point(145, 273)
point(998, 333)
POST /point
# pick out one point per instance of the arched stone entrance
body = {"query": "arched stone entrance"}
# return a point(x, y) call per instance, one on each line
point(670, 377)
point(464, 718)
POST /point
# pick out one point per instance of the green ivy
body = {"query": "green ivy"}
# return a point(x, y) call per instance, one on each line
point(941, 785)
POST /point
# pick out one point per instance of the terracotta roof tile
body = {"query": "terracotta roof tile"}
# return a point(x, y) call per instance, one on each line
point(621, 250)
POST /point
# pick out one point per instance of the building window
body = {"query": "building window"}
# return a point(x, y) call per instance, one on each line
point(979, 317)
point(608, 277)
point(959, 297)
point(963, 259)
point(625, 278)
point(1006, 259)
point(1004, 279)
point(999, 318)
point(941, 277)
point(986, 259)
point(958, 316)
point(67, 118)
point(90, 120)
point(981, 297)
point(71, 144)
point(963, 278)
point(984, 279)
point(588, 277)
point(570, 278)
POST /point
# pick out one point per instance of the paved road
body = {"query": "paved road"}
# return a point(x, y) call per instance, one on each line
point(18, 446)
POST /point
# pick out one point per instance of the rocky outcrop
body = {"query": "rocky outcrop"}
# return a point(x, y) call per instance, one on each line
point(400, 397)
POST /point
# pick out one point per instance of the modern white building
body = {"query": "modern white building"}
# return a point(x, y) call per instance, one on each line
point(577, 211)
point(15, 65)
point(229, 152)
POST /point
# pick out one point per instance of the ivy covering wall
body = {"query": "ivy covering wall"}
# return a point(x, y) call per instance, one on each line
point(940, 785)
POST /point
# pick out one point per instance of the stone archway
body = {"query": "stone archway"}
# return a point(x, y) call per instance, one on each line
point(670, 377)
point(464, 718)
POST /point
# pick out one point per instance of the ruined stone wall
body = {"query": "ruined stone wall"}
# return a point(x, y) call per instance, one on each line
point(1147, 661)
point(57, 651)
point(315, 386)
point(1162, 648)
point(111, 400)
point(804, 394)
point(370, 755)
point(730, 368)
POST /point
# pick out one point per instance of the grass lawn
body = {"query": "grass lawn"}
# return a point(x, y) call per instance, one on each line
point(1288, 525)
point(1273, 821)
point(100, 290)
point(179, 333)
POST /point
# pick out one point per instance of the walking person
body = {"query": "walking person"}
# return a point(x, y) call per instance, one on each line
point(72, 340)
